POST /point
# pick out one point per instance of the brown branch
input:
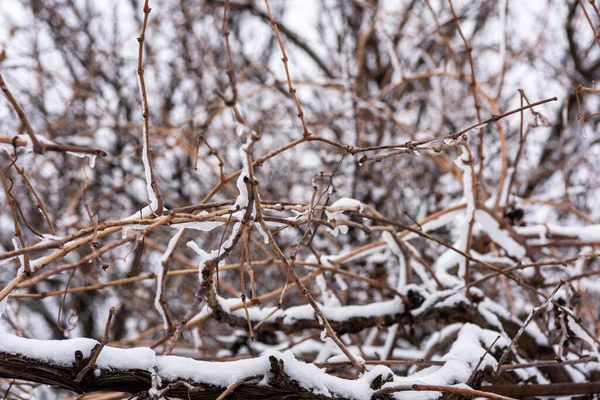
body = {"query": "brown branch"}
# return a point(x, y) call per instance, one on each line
point(532, 315)
point(473, 84)
point(289, 271)
point(37, 145)
point(146, 151)
point(550, 389)
point(39, 202)
point(230, 70)
point(417, 387)
point(13, 207)
point(548, 363)
point(78, 244)
point(183, 323)
point(285, 60)
point(234, 385)
point(412, 145)
point(135, 381)
point(213, 152)
point(53, 147)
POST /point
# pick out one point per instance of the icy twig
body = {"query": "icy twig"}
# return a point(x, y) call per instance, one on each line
point(159, 394)
point(470, 190)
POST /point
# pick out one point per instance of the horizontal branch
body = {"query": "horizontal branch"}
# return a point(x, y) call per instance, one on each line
point(138, 381)
point(550, 389)
point(17, 141)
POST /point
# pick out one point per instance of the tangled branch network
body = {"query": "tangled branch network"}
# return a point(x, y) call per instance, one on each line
point(258, 199)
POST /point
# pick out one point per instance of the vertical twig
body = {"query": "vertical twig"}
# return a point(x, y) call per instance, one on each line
point(285, 60)
point(13, 207)
point(151, 184)
point(473, 84)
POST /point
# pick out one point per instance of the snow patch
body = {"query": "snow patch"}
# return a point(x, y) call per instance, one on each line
point(498, 235)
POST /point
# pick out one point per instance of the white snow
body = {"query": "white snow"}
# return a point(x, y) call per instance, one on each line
point(389, 341)
point(498, 235)
point(21, 257)
point(2, 307)
point(204, 256)
point(145, 159)
point(204, 226)
point(344, 313)
point(436, 223)
point(91, 158)
point(159, 271)
point(344, 204)
point(242, 199)
point(391, 243)
point(172, 368)
point(447, 260)
point(348, 203)
point(582, 334)
point(402, 272)
point(332, 313)
point(588, 233)
point(262, 233)
point(319, 382)
point(213, 373)
point(461, 360)
point(468, 181)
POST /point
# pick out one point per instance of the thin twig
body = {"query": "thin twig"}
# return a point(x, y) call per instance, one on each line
point(39, 202)
point(438, 388)
point(146, 153)
point(234, 385)
point(289, 271)
point(533, 313)
point(37, 145)
point(285, 60)
point(97, 349)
